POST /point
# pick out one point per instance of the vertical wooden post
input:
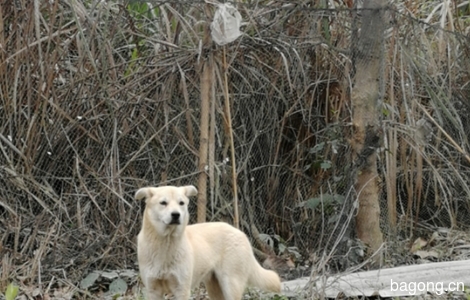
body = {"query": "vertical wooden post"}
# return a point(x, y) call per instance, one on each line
point(207, 80)
point(228, 120)
point(368, 54)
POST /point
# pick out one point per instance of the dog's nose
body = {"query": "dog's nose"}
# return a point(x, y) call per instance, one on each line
point(175, 215)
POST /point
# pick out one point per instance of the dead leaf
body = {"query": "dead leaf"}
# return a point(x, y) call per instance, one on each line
point(110, 275)
point(418, 244)
point(426, 254)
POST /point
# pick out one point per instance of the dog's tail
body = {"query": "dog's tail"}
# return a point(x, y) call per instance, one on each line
point(266, 280)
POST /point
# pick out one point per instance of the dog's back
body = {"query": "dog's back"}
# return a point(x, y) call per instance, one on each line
point(224, 258)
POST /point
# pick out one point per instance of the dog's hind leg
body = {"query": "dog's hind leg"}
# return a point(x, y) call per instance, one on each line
point(213, 288)
point(232, 289)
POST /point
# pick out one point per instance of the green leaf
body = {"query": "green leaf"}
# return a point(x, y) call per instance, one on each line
point(89, 280)
point(11, 292)
point(325, 165)
point(313, 203)
point(385, 112)
point(317, 147)
point(138, 8)
point(118, 287)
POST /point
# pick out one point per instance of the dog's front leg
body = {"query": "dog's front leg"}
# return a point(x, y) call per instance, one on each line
point(155, 295)
point(181, 288)
point(155, 290)
point(179, 283)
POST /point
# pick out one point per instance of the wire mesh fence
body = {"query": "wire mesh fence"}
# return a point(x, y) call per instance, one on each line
point(101, 98)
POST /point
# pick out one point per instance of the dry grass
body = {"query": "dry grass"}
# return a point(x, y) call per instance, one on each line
point(99, 98)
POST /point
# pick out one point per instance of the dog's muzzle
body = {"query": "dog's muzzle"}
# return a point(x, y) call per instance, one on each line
point(175, 218)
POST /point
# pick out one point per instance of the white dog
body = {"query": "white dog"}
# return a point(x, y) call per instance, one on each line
point(175, 257)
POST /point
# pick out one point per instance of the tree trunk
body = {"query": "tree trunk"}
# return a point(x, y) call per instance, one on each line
point(368, 56)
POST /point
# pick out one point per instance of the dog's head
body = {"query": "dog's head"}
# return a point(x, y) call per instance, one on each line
point(167, 207)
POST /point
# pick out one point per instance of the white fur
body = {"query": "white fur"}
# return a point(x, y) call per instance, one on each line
point(173, 258)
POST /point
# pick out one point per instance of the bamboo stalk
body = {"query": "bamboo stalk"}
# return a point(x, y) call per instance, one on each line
point(392, 145)
point(228, 120)
point(212, 128)
point(206, 83)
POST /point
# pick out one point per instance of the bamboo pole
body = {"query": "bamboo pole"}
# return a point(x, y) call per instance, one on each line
point(212, 128)
point(206, 84)
point(228, 120)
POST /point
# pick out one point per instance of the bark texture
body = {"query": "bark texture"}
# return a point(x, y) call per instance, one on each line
point(368, 56)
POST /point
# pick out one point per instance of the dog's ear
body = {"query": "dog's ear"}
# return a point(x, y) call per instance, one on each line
point(190, 190)
point(143, 193)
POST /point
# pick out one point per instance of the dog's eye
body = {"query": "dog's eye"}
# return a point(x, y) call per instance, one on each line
point(164, 203)
point(181, 203)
